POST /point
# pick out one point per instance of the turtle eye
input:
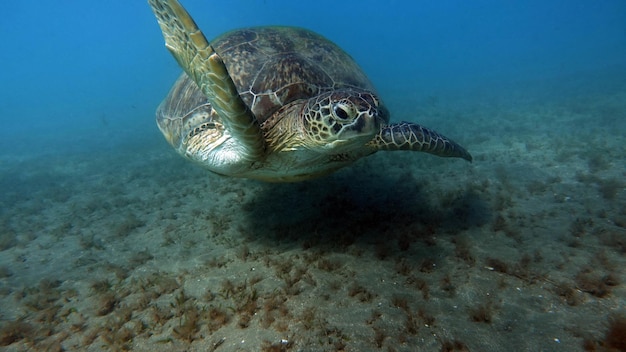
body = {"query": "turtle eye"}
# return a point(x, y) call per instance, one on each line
point(344, 112)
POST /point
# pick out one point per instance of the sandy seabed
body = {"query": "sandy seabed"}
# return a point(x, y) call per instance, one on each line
point(134, 248)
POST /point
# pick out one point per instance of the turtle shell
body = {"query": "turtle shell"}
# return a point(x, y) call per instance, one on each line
point(271, 67)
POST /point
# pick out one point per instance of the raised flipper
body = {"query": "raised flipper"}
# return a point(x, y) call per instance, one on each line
point(197, 57)
point(411, 136)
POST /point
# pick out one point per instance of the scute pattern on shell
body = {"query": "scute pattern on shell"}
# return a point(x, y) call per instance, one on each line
point(272, 66)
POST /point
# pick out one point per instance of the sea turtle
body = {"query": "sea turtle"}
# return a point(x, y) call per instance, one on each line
point(275, 103)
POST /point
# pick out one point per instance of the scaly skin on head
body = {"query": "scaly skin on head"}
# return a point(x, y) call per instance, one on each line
point(343, 119)
point(334, 122)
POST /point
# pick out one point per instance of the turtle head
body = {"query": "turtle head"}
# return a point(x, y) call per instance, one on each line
point(343, 120)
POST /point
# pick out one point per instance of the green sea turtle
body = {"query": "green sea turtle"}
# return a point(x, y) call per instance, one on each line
point(275, 103)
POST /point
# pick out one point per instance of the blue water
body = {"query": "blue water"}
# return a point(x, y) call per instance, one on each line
point(90, 192)
point(67, 64)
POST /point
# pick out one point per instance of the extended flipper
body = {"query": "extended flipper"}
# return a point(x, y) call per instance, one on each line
point(197, 57)
point(411, 136)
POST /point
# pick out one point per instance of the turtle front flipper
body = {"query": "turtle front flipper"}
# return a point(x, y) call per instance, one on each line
point(197, 57)
point(411, 136)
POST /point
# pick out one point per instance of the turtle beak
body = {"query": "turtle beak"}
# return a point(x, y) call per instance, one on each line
point(370, 117)
point(364, 126)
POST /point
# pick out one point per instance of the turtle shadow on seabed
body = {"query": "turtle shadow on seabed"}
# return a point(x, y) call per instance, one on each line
point(349, 208)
